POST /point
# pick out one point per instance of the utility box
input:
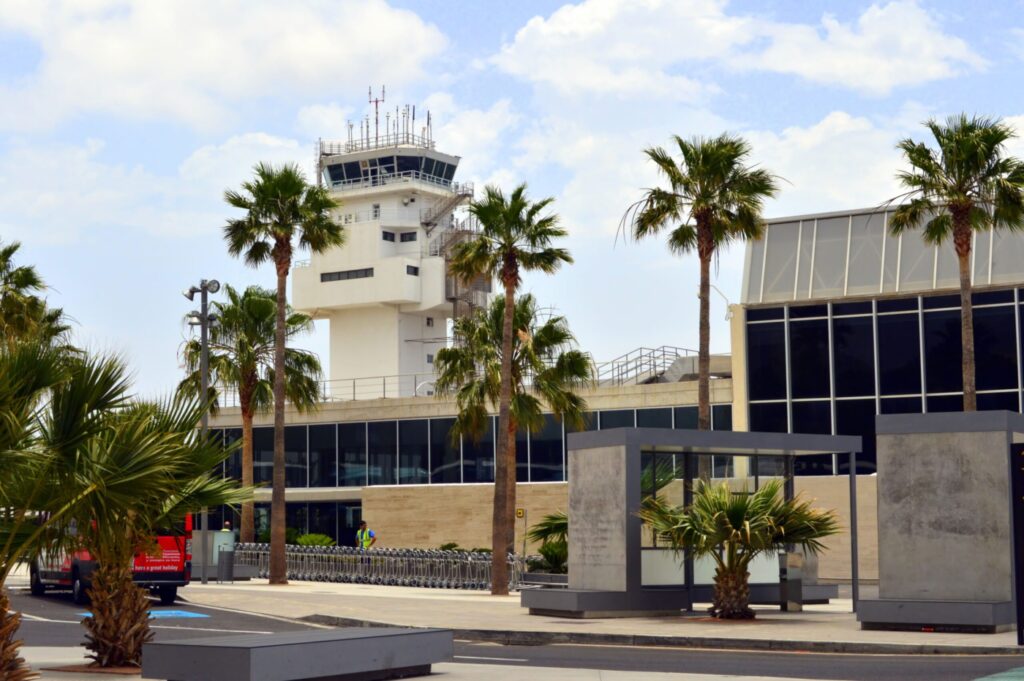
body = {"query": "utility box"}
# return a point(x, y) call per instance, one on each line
point(226, 563)
point(791, 586)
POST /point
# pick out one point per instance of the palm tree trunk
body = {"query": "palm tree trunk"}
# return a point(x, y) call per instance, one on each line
point(503, 521)
point(731, 600)
point(12, 666)
point(278, 565)
point(962, 241)
point(705, 248)
point(119, 625)
point(247, 532)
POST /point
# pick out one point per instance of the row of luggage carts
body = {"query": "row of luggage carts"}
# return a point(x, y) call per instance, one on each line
point(434, 569)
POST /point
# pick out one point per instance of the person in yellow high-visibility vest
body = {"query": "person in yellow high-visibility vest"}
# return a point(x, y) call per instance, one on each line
point(365, 537)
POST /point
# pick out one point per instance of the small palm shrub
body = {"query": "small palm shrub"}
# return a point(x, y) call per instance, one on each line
point(315, 539)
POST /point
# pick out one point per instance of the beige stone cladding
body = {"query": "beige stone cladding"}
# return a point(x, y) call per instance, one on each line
point(427, 516)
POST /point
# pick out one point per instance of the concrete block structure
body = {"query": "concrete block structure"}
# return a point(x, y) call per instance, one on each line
point(944, 539)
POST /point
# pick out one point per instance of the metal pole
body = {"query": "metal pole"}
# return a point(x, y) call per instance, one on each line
point(204, 383)
point(854, 567)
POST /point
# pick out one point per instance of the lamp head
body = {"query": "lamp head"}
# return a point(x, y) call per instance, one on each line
point(190, 292)
point(212, 285)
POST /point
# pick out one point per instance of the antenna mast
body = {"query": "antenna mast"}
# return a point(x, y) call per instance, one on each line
point(376, 101)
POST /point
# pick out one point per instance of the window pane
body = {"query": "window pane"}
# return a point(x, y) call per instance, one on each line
point(808, 358)
point(522, 456)
point(830, 257)
point(780, 266)
point(478, 456)
point(323, 519)
point(686, 418)
point(813, 417)
point(768, 418)
point(998, 402)
point(857, 417)
point(654, 418)
point(899, 354)
point(296, 516)
point(546, 452)
point(383, 450)
point(901, 405)
point(352, 454)
point(621, 418)
point(766, 361)
point(945, 403)
point(262, 455)
point(445, 461)
point(854, 356)
point(412, 452)
point(721, 416)
point(233, 465)
point(942, 360)
point(995, 342)
point(589, 423)
point(323, 456)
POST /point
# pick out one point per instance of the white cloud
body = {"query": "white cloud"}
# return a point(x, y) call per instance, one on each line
point(60, 193)
point(477, 135)
point(660, 48)
point(191, 60)
point(329, 121)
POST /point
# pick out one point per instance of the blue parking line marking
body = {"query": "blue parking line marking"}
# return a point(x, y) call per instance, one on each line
point(164, 615)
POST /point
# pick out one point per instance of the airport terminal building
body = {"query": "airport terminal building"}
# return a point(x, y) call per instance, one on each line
point(838, 322)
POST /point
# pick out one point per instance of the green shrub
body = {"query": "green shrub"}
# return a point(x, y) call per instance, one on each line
point(314, 539)
point(450, 546)
point(556, 555)
point(480, 550)
point(291, 536)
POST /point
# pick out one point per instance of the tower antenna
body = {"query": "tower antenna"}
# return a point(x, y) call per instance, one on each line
point(376, 101)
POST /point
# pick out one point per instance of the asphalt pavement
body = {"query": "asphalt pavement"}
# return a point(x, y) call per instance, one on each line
point(54, 620)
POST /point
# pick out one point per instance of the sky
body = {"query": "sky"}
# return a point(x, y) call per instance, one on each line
point(123, 123)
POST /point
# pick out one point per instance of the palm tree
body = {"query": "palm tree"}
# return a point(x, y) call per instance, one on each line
point(968, 185)
point(282, 211)
point(22, 312)
point(733, 528)
point(543, 369)
point(155, 466)
point(713, 198)
point(241, 358)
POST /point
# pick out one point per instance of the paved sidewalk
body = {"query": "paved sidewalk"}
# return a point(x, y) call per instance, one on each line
point(480, 616)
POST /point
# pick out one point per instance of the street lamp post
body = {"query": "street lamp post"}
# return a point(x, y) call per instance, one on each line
point(202, 318)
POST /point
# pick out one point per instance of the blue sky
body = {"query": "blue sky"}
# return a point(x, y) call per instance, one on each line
point(124, 122)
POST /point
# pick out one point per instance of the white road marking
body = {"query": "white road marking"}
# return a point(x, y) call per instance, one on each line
point(36, 618)
point(277, 618)
point(490, 659)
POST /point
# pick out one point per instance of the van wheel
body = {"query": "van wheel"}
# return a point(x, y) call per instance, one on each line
point(168, 594)
point(78, 589)
point(35, 584)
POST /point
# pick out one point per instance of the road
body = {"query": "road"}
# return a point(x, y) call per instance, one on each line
point(54, 620)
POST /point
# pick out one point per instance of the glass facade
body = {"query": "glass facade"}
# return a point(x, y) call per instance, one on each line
point(425, 451)
point(831, 367)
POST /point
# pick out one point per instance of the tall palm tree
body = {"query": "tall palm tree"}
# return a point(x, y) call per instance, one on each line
point(713, 197)
point(282, 212)
point(544, 369)
point(241, 360)
point(968, 184)
point(22, 312)
point(734, 528)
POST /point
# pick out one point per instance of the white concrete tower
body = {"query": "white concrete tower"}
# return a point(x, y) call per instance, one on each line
point(386, 292)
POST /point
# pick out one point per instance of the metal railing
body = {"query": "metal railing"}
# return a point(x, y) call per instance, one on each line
point(334, 147)
point(387, 567)
point(394, 178)
point(639, 365)
point(366, 388)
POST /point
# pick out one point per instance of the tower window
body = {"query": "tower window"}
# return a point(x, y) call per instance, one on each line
point(408, 236)
point(376, 211)
point(413, 270)
point(430, 358)
point(347, 274)
point(430, 321)
point(388, 236)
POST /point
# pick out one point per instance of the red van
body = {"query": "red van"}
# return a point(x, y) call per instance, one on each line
point(162, 573)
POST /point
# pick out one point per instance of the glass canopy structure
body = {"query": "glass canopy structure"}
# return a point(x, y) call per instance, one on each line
point(838, 255)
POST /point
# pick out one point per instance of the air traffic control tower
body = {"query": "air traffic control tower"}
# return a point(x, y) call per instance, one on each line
point(387, 292)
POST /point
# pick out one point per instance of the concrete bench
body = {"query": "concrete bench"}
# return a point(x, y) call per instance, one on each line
point(350, 654)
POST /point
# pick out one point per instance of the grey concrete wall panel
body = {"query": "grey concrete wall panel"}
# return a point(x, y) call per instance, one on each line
point(950, 422)
point(296, 656)
point(881, 613)
point(943, 508)
point(599, 512)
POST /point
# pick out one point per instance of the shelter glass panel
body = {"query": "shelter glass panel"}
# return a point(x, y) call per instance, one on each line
point(756, 255)
point(1007, 257)
point(445, 460)
point(808, 358)
point(853, 352)
point(546, 452)
point(352, 454)
point(323, 456)
point(867, 233)
point(980, 253)
point(803, 263)
point(947, 267)
point(830, 257)
point(917, 263)
point(766, 361)
point(413, 449)
point(383, 452)
point(780, 265)
point(892, 253)
point(899, 354)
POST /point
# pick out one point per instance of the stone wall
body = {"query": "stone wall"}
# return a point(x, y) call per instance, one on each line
point(430, 515)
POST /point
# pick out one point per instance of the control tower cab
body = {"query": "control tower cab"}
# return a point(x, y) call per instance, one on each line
point(387, 293)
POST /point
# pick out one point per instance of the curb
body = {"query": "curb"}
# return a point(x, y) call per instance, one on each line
point(540, 638)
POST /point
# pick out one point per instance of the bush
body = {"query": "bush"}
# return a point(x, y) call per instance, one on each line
point(556, 555)
point(480, 550)
point(315, 539)
point(450, 546)
point(291, 536)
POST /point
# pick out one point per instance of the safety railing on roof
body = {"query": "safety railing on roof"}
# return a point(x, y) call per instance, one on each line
point(639, 365)
point(382, 179)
